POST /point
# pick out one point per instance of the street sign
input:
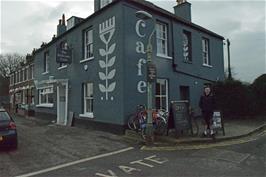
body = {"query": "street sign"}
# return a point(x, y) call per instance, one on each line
point(151, 72)
point(63, 54)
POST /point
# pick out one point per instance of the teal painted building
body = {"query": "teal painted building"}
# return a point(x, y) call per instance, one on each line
point(106, 78)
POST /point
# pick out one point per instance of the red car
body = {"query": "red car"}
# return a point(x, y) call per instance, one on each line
point(8, 130)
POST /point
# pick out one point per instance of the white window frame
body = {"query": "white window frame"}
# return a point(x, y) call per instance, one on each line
point(45, 91)
point(46, 63)
point(16, 78)
point(206, 52)
point(104, 3)
point(88, 41)
point(85, 98)
point(32, 71)
point(163, 96)
point(28, 72)
point(162, 39)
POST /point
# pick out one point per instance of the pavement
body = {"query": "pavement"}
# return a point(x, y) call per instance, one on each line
point(234, 130)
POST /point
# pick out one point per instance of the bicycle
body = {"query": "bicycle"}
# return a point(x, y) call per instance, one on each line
point(138, 121)
point(160, 121)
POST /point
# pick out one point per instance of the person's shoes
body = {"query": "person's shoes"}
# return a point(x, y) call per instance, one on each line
point(203, 135)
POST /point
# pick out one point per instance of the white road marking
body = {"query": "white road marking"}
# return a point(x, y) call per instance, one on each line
point(75, 162)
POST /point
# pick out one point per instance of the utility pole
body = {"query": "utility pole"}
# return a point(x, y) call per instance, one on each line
point(229, 65)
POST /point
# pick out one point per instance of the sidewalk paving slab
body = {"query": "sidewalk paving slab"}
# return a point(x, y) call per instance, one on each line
point(234, 129)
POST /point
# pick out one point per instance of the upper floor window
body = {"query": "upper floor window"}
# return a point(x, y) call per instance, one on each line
point(46, 62)
point(206, 52)
point(162, 39)
point(16, 77)
point(187, 49)
point(25, 74)
point(30, 72)
point(104, 3)
point(20, 76)
point(88, 44)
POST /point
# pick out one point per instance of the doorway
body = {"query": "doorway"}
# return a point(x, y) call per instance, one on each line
point(184, 93)
point(62, 102)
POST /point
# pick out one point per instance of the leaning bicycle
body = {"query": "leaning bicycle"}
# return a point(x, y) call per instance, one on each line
point(138, 121)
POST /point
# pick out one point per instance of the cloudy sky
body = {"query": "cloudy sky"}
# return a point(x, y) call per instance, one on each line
point(25, 24)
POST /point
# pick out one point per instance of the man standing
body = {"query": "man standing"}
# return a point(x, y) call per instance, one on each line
point(206, 104)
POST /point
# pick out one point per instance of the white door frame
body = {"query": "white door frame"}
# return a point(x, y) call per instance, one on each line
point(66, 102)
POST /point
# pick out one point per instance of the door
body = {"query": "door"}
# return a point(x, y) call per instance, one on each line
point(62, 104)
point(184, 93)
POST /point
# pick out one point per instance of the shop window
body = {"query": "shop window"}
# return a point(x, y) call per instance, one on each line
point(162, 39)
point(88, 99)
point(187, 49)
point(46, 97)
point(161, 95)
point(205, 51)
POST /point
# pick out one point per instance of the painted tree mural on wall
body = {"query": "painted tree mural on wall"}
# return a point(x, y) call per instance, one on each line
point(106, 31)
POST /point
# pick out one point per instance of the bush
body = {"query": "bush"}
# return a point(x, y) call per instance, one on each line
point(234, 98)
point(259, 89)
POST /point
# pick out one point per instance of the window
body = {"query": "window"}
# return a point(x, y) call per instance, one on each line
point(31, 71)
point(187, 51)
point(25, 74)
point(161, 97)
point(88, 99)
point(104, 3)
point(46, 62)
point(88, 44)
point(11, 79)
point(162, 39)
point(46, 96)
point(20, 76)
point(205, 51)
point(16, 77)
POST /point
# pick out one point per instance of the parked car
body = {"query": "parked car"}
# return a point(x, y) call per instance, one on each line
point(8, 130)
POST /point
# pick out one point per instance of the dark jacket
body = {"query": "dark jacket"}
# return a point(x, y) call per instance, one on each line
point(206, 103)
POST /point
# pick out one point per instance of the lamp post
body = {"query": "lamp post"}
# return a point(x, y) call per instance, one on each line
point(151, 74)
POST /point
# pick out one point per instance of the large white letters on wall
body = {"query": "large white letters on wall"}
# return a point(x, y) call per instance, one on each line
point(106, 31)
point(140, 49)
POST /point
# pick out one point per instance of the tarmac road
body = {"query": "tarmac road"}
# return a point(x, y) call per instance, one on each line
point(246, 159)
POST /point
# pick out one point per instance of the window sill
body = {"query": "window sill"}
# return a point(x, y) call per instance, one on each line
point(87, 115)
point(205, 65)
point(164, 56)
point(45, 73)
point(87, 59)
point(45, 105)
point(62, 67)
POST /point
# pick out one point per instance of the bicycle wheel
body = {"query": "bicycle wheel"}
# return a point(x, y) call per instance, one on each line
point(161, 126)
point(133, 122)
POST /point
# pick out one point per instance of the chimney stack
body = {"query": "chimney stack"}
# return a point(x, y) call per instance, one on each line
point(61, 27)
point(183, 9)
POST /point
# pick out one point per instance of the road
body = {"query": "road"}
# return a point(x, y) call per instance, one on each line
point(241, 160)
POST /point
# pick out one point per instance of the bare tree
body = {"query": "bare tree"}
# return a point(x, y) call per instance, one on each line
point(9, 62)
